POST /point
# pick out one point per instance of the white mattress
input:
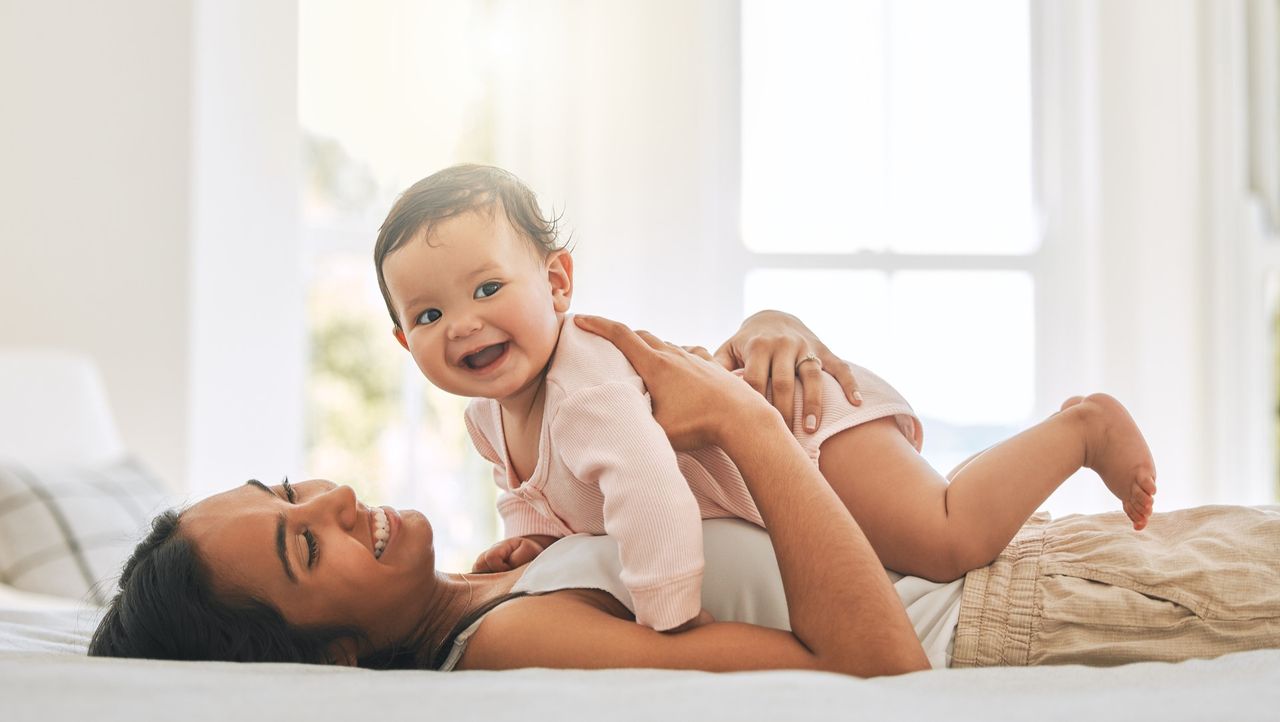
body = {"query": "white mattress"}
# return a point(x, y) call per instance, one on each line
point(45, 676)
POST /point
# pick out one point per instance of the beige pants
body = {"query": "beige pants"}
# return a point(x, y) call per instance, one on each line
point(1089, 590)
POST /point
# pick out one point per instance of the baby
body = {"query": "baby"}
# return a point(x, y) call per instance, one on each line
point(478, 288)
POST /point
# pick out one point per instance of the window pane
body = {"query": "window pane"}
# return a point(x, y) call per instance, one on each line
point(354, 381)
point(875, 125)
point(964, 344)
point(959, 345)
point(375, 423)
point(378, 113)
point(377, 106)
point(1273, 300)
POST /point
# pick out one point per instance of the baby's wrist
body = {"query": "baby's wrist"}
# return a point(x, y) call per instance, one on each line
point(746, 428)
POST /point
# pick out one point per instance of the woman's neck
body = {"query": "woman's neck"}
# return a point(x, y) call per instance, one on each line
point(459, 596)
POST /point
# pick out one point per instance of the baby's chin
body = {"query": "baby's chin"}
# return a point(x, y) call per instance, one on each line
point(503, 387)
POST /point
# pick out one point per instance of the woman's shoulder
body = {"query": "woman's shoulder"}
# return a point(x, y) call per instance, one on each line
point(513, 633)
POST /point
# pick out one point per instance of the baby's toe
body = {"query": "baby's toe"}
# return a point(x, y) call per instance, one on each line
point(1131, 511)
point(1148, 484)
point(1141, 505)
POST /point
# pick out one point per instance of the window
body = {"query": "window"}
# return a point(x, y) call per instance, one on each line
point(1262, 241)
point(372, 419)
point(886, 170)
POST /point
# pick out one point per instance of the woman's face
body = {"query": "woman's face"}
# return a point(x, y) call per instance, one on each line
point(308, 550)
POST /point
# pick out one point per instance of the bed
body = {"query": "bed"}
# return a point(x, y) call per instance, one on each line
point(44, 630)
point(44, 675)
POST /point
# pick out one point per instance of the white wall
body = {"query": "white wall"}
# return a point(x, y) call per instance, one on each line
point(94, 205)
point(246, 325)
point(149, 219)
point(1150, 259)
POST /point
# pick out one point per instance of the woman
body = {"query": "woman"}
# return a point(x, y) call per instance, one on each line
point(241, 576)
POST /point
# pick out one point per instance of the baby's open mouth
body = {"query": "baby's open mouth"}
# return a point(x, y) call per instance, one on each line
point(485, 357)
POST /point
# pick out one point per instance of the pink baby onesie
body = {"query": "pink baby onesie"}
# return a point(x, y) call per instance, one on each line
point(605, 467)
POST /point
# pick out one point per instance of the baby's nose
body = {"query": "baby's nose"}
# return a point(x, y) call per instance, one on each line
point(464, 327)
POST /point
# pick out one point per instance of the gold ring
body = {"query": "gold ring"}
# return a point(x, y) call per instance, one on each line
point(809, 357)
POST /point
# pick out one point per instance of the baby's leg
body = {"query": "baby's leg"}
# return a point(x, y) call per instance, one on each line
point(921, 525)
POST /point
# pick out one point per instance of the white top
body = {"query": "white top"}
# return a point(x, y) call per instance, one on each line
point(605, 466)
point(741, 583)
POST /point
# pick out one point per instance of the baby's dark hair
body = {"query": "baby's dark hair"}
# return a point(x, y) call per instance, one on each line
point(454, 191)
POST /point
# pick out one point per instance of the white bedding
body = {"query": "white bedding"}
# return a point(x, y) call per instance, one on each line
point(45, 676)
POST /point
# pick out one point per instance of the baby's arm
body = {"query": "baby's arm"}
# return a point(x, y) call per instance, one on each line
point(511, 553)
point(607, 436)
point(528, 530)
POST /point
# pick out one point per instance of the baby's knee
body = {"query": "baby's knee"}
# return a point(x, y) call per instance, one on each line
point(966, 554)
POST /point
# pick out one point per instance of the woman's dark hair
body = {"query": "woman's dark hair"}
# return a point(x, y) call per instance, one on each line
point(166, 609)
point(456, 190)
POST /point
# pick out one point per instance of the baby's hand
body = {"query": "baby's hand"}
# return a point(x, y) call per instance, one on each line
point(511, 553)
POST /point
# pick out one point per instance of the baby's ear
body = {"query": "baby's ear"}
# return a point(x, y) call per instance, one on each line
point(560, 278)
point(395, 331)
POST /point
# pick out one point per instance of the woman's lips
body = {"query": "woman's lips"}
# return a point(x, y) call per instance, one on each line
point(393, 521)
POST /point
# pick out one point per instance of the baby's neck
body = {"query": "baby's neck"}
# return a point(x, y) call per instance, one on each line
point(527, 403)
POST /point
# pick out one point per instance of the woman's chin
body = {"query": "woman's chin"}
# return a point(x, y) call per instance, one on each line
point(418, 520)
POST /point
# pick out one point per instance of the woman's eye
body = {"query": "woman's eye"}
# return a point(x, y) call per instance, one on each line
point(431, 315)
point(289, 493)
point(487, 289)
point(313, 548)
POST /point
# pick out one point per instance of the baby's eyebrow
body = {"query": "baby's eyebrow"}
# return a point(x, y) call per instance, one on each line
point(484, 270)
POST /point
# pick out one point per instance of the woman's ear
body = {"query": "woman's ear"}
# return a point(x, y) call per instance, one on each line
point(399, 334)
point(344, 653)
point(560, 279)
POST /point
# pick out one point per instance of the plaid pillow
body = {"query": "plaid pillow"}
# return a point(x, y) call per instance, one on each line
point(68, 531)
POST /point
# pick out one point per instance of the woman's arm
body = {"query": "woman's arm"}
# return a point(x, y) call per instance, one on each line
point(844, 614)
point(767, 348)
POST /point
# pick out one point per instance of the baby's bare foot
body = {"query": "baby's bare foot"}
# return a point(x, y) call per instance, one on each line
point(1116, 450)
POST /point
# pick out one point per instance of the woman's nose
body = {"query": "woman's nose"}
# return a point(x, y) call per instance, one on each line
point(339, 502)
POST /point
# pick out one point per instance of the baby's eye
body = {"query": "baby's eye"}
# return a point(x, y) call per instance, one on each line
point(487, 289)
point(431, 315)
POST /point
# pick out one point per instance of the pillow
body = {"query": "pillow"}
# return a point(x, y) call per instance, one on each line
point(68, 531)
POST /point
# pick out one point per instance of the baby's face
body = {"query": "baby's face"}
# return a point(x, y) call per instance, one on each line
point(479, 310)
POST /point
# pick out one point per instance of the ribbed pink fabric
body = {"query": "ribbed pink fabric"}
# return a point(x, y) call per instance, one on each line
point(605, 467)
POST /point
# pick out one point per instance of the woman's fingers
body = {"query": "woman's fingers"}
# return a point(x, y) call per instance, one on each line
point(699, 351)
point(836, 366)
point(726, 357)
point(811, 387)
point(782, 383)
point(637, 347)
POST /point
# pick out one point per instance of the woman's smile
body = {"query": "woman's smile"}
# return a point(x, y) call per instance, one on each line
point(387, 526)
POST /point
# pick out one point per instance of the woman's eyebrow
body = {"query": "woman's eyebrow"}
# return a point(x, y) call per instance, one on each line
point(281, 550)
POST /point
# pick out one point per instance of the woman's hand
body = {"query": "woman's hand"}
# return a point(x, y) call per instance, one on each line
point(768, 347)
point(694, 400)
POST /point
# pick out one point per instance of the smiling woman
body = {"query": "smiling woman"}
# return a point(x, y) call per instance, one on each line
point(310, 551)
point(282, 574)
